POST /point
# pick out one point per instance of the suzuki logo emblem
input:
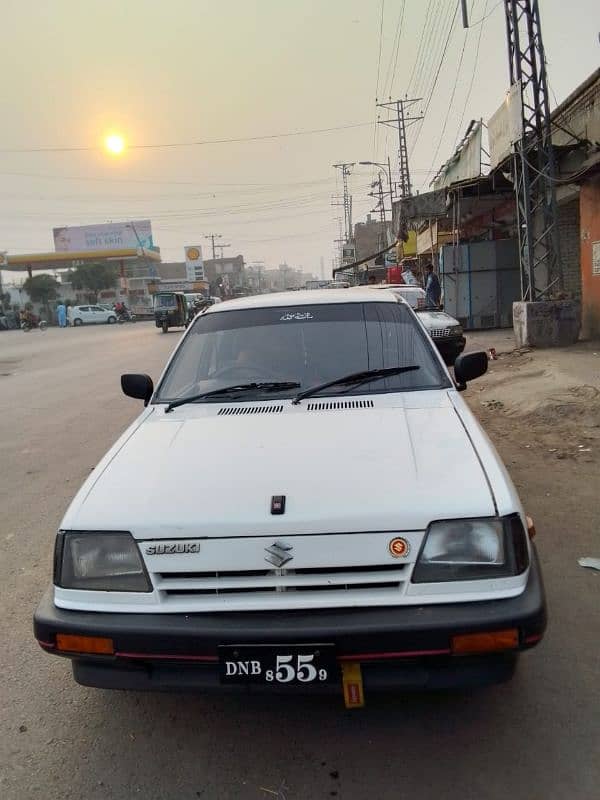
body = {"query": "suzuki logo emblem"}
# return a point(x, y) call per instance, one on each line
point(278, 554)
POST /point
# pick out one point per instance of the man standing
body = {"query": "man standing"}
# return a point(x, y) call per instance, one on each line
point(433, 290)
point(61, 313)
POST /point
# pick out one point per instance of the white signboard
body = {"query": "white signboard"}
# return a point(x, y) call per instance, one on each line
point(135, 234)
point(505, 127)
point(348, 254)
point(595, 258)
point(194, 263)
point(466, 161)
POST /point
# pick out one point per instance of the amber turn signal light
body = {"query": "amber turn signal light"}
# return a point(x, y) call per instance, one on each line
point(530, 527)
point(485, 642)
point(68, 643)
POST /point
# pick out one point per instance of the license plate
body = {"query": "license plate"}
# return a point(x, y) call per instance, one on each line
point(293, 665)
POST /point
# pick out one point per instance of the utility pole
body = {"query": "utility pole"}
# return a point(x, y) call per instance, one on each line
point(340, 240)
point(347, 201)
point(465, 13)
point(533, 160)
point(212, 237)
point(221, 247)
point(378, 184)
point(258, 265)
point(401, 121)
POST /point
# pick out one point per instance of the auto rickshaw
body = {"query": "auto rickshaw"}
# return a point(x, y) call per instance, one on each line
point(170, 310)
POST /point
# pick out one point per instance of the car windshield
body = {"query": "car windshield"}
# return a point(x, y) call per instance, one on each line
point(306, 344)
point(414, 297)
point(165, 301)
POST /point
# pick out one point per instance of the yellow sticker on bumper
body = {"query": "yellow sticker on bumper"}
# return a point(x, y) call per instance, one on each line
point(354, 696)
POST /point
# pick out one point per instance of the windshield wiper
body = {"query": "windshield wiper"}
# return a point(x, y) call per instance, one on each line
point(355, 378)
point(269, 386)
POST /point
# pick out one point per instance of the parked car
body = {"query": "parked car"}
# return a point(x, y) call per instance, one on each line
point(90, 315)
point(318, 432)
point(446, 331)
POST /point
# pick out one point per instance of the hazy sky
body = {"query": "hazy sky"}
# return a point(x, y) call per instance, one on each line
point(174, 71)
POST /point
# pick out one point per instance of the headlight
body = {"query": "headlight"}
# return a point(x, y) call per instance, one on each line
point(456, 330)
point(472, 549)
point(107, 562)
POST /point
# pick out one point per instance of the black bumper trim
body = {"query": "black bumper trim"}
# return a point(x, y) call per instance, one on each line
point(364, 630)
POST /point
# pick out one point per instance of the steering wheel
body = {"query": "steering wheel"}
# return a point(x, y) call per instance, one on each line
point(245, 372)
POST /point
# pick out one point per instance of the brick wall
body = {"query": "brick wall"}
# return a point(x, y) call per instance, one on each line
point(590, 277)
point(568, 232)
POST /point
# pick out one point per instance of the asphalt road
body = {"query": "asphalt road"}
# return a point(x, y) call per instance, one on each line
point(61, 408)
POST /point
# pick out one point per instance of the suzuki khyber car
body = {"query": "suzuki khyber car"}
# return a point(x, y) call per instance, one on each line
point(305, 502)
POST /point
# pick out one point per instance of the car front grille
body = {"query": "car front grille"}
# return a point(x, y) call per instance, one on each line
point(330, 579)
point(439, 333)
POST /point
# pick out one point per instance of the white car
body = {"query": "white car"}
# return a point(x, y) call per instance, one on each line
point(305, 501)
point(91, 315)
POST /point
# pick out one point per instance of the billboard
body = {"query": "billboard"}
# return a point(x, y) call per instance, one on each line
point(466, 161)
point(108, 236)
point(194, 263)
point(505, 127)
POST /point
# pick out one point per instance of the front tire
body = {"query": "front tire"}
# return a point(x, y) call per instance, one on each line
point(43, 325)
point(165, 327)
point(77, 322)
point(111, 320)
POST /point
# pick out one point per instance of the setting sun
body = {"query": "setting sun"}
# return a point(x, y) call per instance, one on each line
point(115, 144)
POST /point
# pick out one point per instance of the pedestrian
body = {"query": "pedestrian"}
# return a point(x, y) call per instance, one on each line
point(433, 290)
point(408, 275)
point(61, 313)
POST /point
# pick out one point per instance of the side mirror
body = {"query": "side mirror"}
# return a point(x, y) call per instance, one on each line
point(469, 366)
point(138, 386)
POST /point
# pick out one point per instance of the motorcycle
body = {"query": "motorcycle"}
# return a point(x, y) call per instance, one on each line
point(33, 322)
point(125, 316)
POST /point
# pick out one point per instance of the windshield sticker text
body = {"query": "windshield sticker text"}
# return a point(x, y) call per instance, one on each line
point(296, 315)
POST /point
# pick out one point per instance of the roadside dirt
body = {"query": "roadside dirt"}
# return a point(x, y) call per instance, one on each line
point(546, 401)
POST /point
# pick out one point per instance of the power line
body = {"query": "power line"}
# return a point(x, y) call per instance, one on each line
point(166, 145)
point(391, 72)
point(375, 125)
point(432, 48)
point(153, 181)
point(380, 47)
point(458, 69)
point(419, 48)
point(437, 74)
point(468, 97)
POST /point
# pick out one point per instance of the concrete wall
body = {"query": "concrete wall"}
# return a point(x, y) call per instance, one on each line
point(568, 232)
point(589, 199)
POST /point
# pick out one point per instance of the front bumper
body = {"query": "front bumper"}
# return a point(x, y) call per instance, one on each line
point(401, 647)
point(450, 346)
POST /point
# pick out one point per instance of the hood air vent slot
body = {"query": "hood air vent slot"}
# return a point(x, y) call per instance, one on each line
point(333, 405)
point(237, 410)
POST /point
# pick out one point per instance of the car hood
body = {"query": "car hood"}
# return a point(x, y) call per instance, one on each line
point(437, 319)
point(197, 473)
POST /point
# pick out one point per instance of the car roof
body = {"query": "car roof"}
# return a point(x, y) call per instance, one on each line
point(406, 287)
point(304, 297)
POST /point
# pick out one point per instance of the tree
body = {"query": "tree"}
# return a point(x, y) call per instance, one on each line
point(93, 278)
point(41, 288)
